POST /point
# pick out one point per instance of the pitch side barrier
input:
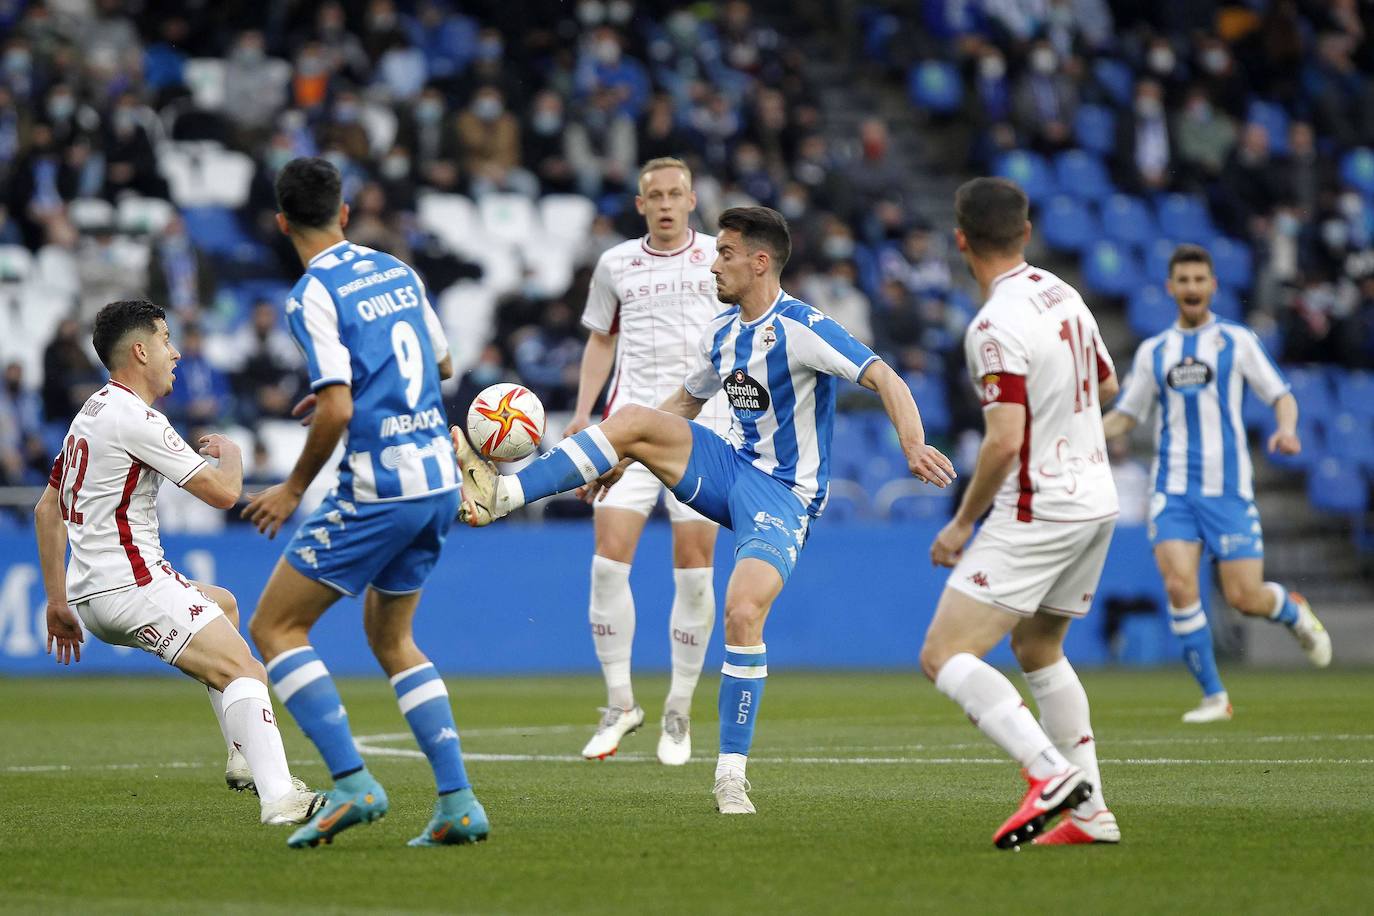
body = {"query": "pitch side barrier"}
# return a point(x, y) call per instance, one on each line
point(512, 599)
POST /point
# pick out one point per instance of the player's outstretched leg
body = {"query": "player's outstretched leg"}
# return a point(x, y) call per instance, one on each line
point(488, 495)
point(689, 628)
point(1190, 625)
point(611, 613)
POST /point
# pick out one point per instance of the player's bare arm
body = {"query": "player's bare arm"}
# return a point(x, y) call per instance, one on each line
point(1116, 423)
point(598, 356)
point(270, 509)
point(681, 404)
point(1108, 388)
point(1285, 439)
point(218, 486)
point(1006, 426)
point(446, 367)
point(926, 463)
point(63, 627)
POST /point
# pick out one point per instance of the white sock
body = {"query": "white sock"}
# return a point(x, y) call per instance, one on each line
point(731, 765)
point(252, 727)
point(510, 493)
point(994, 705)
point(612, 614)
point(217, 704)
point(689, 625)
point(1064, 716)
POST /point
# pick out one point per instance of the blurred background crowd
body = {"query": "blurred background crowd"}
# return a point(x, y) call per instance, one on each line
point(494, 145)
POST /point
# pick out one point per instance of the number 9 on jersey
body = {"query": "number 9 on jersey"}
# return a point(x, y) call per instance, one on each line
point(505, 422)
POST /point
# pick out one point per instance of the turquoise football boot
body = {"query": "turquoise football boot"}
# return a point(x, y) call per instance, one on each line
point(458, 818)
point(356, 799)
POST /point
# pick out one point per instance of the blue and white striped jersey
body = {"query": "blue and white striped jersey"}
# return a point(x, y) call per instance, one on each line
point(1197, 379)
point(363, 320)
point(779, 373)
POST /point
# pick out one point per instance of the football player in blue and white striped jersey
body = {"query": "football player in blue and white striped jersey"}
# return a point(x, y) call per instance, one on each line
point(778, 361)
point(1192, 376)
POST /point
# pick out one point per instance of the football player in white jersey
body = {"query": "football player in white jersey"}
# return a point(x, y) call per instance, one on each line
point(1195, 373)
point(778, 361)
point(1040, 368)
point(649, 301)
point(100, 501)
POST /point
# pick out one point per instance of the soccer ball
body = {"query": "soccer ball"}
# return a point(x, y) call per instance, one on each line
point(505, 422)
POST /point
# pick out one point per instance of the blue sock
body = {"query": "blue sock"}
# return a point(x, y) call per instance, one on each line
point(1286, 611)
point(423, 699)
point(741, 688)
point(1190, 626)
point(576, 460)
point(304, 686)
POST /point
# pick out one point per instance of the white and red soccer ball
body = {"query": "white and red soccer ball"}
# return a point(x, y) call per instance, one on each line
point(505, 422)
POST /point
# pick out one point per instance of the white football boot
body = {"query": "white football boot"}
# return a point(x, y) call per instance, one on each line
point(1310, 634)
point(731, 793)
point(616, 722)
point(675, 743)
point(237, 774)
point(1073, 830)
point(1216, 708)
point(295, 807)
point(479, 483)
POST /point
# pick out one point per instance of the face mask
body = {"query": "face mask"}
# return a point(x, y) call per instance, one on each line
point(1286, 224)
point(17, 61)
point(60, 107)
point(490, 49)
point(277, 159)
point(1148, 107)
point(591, 12)
point(292, 120)
point(124, 121)
point(1335, 233)
point(546, 122)
point(1214, 60)
point(1161, 60)
point(992, 67)
point(483, 374)
point(682, 25)
point(429, 111)
point(395, 167)
point(792, 207)
point(838, 247)
point(249, 54)
point(487, 108)
point(337, 159)
point(1043, 61)
point(748, 163)
point(620, 11)
point(607, 52)
point(383, 20)
point(1351, 205)
point(1199, 110)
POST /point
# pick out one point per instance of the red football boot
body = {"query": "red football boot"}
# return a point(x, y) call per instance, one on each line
point(1044, 799)
point(1073, 830)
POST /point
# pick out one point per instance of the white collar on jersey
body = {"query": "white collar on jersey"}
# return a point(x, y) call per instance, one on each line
point(992, 287)
point(648, 249)
point(782, 294)
point(328, 250)
point(1211, 320)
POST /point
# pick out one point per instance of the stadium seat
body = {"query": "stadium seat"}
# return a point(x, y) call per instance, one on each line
point(1111, 269)
point(1128, 220)
point(1067, 224)
point(1030, 171)
point(1116, 79)
point(928, 390)
point(227, 176)
point(935, 86)
point(880, 469)
point(453, 220)
point(467, 310)
point(143, 215)
point(1357, 170)
point(1337, 487)
point(1157, 255)
point(1355, 393)
point(910, 500)
point(508, 217)
point(1149, 310)
point(381, 125)
point(502, 272)
point(1274, 120)
point(846, 501)
point(205, 78)
point(1082, 175)
point(1255, 413)
point(215, 230)
point(1233, 262)
point(567, 216)
point(1185, 217)
point(1227, 304)
point(56, 266)
point(1094, 127)
point(283, 440)
point(16, 264)
point(1350, 438)
point(89, 213)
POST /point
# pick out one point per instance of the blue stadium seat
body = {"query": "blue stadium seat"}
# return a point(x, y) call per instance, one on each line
point(1309, 386)
point(1029, 170)
point(1149, 311)
point(1255, 413)
point(1233, 263)
point(1355, 393)
point(1157, 255)
point(1334, 486)
point(1082, 175)
point(1185, 217)
point(928, 389)
point(1111, 269)
point(1116, 79)
point(935, 86)
point(1273, 119)
point(1128, 220)
point(934, 506)
point(882, 468)
point(215, 230)
point(1357, 169)
point(1067, 223)
point(1313, 445)
point(1226, 304)
point(1350, 438)
point(1094, 127)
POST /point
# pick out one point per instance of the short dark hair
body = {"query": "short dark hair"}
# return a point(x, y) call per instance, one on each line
point(309, 192)
point(118, 319)
point(1190, 254)
point(992, 214)
point(761, 227)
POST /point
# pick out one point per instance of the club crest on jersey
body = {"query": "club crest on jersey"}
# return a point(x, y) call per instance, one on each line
point(697, 256)
point(768, 337)
point(1189, 375)
point(745, 393)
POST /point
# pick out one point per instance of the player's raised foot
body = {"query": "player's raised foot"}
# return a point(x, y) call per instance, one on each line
point(1310, 634)
point(1073, 830)
point(616, 722)
point(1216, 708)
point(237, 774)
point(1044, 799)
point(458, 818)
point(355, 799)
point(732, 794)
point(295, 807)
point(675, 742)
point(479, 483)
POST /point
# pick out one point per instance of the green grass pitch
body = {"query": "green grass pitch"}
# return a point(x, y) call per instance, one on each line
point(874, 795)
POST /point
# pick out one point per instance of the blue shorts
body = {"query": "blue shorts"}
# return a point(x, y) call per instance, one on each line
point(1229, 526)
point(769, 520)
point(390, 546)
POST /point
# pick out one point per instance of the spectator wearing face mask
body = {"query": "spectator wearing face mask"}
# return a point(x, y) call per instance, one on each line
point(543, 146)
point(447, 38)
point(489, 146)
point(601, 146)
point(180, 276)
point(344, 129)
point(1161, 64)
point(1045, 101)
point(1251, 184)
point(257, 84)
point(1224, 81)
point(836, 293)
point(426, 130)
point(1204, 134)
point(1144, 144)
point(69, 375)
point(130, 161)
point(604, 65)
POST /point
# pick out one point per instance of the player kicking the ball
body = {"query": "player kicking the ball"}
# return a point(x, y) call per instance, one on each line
point(101, 500)
point(649, 302)
point(375, 352)
point(778, 360)
point(1196, 372)
point(1040, 368)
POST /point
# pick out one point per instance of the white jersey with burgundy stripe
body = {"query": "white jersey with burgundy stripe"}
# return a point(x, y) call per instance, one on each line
point(1036, 343)
point(658, 303)
point(114, 457)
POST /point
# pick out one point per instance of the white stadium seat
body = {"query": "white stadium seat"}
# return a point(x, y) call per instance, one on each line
point(57, 267)
point(16, 264)
point(467, 310)
point(145, 215)
point(453, 219)
point(87, 213)
point(501, 270)
point(205, 79)
point(567, 216)
point(228, 176)
point(509, 217)
point(380, 124)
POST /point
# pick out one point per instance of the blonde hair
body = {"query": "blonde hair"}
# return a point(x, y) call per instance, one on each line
point(663, 162)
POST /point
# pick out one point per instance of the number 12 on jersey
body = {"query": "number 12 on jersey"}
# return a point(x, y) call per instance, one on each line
point(76, 454)
point(1083, 351)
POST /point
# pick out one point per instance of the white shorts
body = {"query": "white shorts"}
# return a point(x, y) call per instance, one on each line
point(1024, 567)
point(160, 617)
point(638, 490)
